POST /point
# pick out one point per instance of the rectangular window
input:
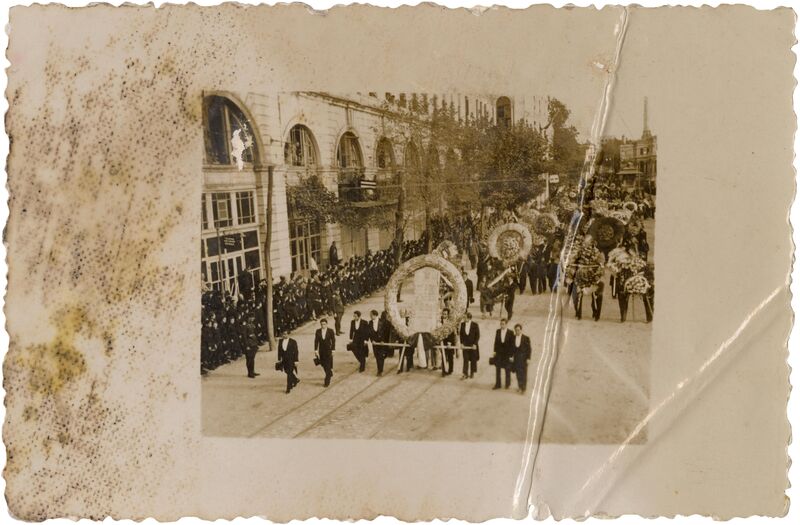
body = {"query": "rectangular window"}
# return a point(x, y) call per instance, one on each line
point(245, 207)
point(204, 213)
point(212, 247)
point(250, 239)
point(221, 207)
point(252, 259)
point(349, 155)
point(217, 131)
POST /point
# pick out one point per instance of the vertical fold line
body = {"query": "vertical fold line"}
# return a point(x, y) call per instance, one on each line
point(523, 488)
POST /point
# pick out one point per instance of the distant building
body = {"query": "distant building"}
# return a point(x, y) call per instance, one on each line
point(629, 163)
point(638, 164)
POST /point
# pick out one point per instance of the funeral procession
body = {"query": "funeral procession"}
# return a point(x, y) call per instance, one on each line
point(387, 265)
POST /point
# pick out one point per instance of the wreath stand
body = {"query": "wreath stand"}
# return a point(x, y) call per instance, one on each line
point(632, 302)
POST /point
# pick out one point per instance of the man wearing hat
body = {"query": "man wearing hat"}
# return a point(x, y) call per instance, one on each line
point(250, 343)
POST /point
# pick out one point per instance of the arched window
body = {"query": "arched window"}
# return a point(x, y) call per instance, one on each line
point(411, 159)
point(384, 154)
point(433, 162)
point(227, 131)
point(350, 163)
point(299, 149)
point(348, 152)
point(504, 112)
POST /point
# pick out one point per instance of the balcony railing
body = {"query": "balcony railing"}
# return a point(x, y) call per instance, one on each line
point(355, 188)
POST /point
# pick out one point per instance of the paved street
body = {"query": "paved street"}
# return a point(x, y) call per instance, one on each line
point(600, 388)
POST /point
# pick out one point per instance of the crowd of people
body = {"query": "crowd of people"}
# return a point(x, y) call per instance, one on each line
point(625, 257)
point(296, 301)
point(565, 256)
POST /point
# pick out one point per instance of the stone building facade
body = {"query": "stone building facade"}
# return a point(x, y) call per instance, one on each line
point(355, 145)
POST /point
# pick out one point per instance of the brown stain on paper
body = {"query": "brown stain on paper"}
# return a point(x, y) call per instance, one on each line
point(53, 365)
point(99, 187)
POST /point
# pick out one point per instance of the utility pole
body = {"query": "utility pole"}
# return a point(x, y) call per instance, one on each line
point(267, 261)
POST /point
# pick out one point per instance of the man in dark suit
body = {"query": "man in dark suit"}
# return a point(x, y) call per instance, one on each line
point(246, 283)
point(469, 334)
point(376, 332)
point(448, 344)
point(324, 345)
point(521, 350)
point(522, 269)
point(338, 311)
point(510, 286)
point(359, 334)
point(333, 255)
point(288, 357)
point(250, 341)
point(470, 289)
point(502, 353)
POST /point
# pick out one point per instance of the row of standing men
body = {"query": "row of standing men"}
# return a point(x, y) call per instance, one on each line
point(511, 350)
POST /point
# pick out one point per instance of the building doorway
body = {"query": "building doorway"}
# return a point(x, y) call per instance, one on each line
point(305, 241)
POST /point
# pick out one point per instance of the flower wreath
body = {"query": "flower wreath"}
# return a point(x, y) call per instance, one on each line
point(631, 206)
point(621, 215)
point(509, 242)
point(607, 231)
point(637, 284)
point(620, 261)
point(545, 223)
point(584, 265)
point(447, 249)
point(600, 207)
point(449, 271)
point(528, 217)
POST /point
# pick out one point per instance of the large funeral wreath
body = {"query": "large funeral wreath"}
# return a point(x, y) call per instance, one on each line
point(510, 242)
point(453, 276)
point(607, 231)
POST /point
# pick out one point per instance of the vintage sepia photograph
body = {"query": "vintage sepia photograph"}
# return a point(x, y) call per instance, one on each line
point(429, 240)
point(391, 276)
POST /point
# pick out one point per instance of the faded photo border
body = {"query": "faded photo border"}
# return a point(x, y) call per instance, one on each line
point(175, 459)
